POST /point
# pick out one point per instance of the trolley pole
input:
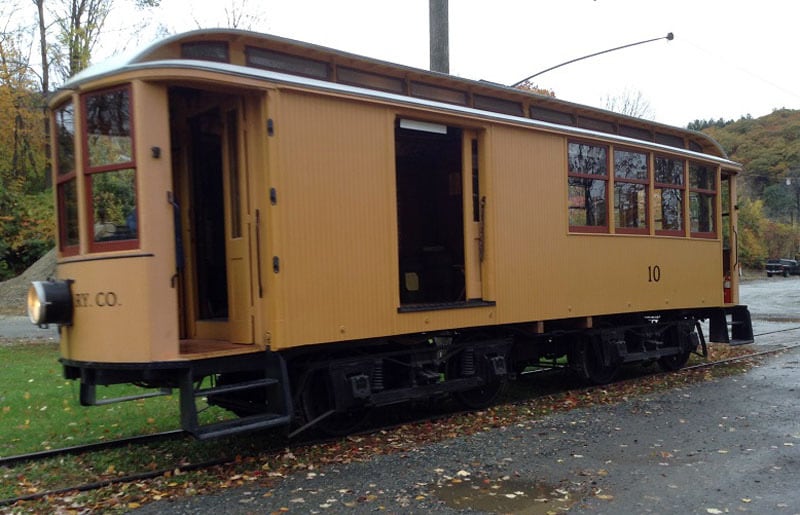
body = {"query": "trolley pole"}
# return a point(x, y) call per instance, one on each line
point(439, 36)
point(668, 37)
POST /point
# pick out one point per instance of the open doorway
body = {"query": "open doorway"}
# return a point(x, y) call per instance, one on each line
point(213, 241)
point(207, 213)
point(430, 213)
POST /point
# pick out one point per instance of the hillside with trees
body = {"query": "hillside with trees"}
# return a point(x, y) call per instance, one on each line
point(769, 189)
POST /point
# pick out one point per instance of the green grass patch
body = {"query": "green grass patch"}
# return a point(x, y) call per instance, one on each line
point(40, 410)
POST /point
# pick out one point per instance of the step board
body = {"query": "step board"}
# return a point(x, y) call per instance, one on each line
point(239, 425)
point(236, 387)
point(274, 385)
point(740, 325)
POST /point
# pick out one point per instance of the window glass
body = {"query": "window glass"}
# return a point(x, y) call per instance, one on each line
point(630, 190)
point(114, 201)
point(701, 176)
point(702, 199)
point(108, 128)
point(232, 132)
point(630, 205)
point(66, 179)
point(702, 212)
point(68, 213)
point(669, 209)
point(588, 159)
point(278, 61)
point(669, 171)
point(206, 51)
point(669, 193)
point(630, 165)
point(587, 202)
point(65, 139)
point(587, 187)
point(110, 171)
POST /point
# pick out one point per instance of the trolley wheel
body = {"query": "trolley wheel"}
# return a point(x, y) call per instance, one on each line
point(591, 365)
point(481, 396)
point(317, 402)
point(674, 362)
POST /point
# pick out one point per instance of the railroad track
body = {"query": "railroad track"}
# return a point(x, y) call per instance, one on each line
point(11, 461)
point(75, 450)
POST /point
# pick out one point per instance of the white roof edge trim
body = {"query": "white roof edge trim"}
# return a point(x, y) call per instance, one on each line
point(247, 71)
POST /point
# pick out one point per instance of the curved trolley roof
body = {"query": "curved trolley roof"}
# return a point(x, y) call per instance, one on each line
point(258, 55)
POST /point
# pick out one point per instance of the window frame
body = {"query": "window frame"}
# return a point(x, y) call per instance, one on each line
point(603, 229)
point(712, 193)
point(660, 186)
point(90, 171)
point(63, 179)
point(625, 180)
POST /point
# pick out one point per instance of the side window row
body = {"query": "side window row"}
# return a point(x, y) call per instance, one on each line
point(611, 187)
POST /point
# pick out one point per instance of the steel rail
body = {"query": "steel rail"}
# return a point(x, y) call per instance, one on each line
point(10, 461)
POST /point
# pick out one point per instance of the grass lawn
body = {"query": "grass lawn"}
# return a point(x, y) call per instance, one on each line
point(39, 409)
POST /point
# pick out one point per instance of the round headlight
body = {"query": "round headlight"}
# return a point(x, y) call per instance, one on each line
point(35, 308)
point(50, 302)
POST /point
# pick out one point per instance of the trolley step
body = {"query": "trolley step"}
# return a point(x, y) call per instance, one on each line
point(256, 390)
point(239, 425)
point(236, 387)
point(735, 318)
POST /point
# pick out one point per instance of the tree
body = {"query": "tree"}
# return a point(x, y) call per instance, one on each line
point(238, 14)
point(779, 203)
point(26, 219)
point(530, 86)
point(66, 43)
point(752, 250)
point(630, 103)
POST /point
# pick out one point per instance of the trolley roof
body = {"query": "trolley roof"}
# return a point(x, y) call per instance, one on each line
point(257, 55)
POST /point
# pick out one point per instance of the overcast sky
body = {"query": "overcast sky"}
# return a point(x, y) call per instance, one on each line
point(729, 58)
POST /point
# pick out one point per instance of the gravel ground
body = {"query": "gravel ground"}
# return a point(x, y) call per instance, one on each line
point(14, 323)
point(14, 291)
point(726, 446)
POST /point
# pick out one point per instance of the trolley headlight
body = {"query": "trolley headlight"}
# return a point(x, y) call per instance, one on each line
point(50, 302)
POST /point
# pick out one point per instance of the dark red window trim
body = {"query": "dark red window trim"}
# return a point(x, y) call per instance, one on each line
point(60, 180)
point(594, 229)
point(89, 171)
point(624, 180)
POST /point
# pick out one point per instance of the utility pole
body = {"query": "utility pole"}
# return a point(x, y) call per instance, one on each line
point(439, 36)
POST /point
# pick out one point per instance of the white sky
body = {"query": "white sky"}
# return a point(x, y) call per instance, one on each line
point(729, 58)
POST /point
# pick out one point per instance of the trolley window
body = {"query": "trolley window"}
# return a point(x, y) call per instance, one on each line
point(66, 182)
point(110, 170)
point(702, 200)
point(588, 187)
point(206, 51)
point(631, 176)
point(669, 196)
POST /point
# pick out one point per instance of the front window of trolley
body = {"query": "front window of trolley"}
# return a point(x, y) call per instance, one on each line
point(110, 171)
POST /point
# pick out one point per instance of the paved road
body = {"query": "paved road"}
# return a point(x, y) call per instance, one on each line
point(726, 446)
point(14, 327)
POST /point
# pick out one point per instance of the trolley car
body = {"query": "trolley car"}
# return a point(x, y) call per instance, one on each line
point(299, 234)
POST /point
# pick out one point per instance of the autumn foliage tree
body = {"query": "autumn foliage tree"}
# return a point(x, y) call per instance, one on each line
point(26, 220)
